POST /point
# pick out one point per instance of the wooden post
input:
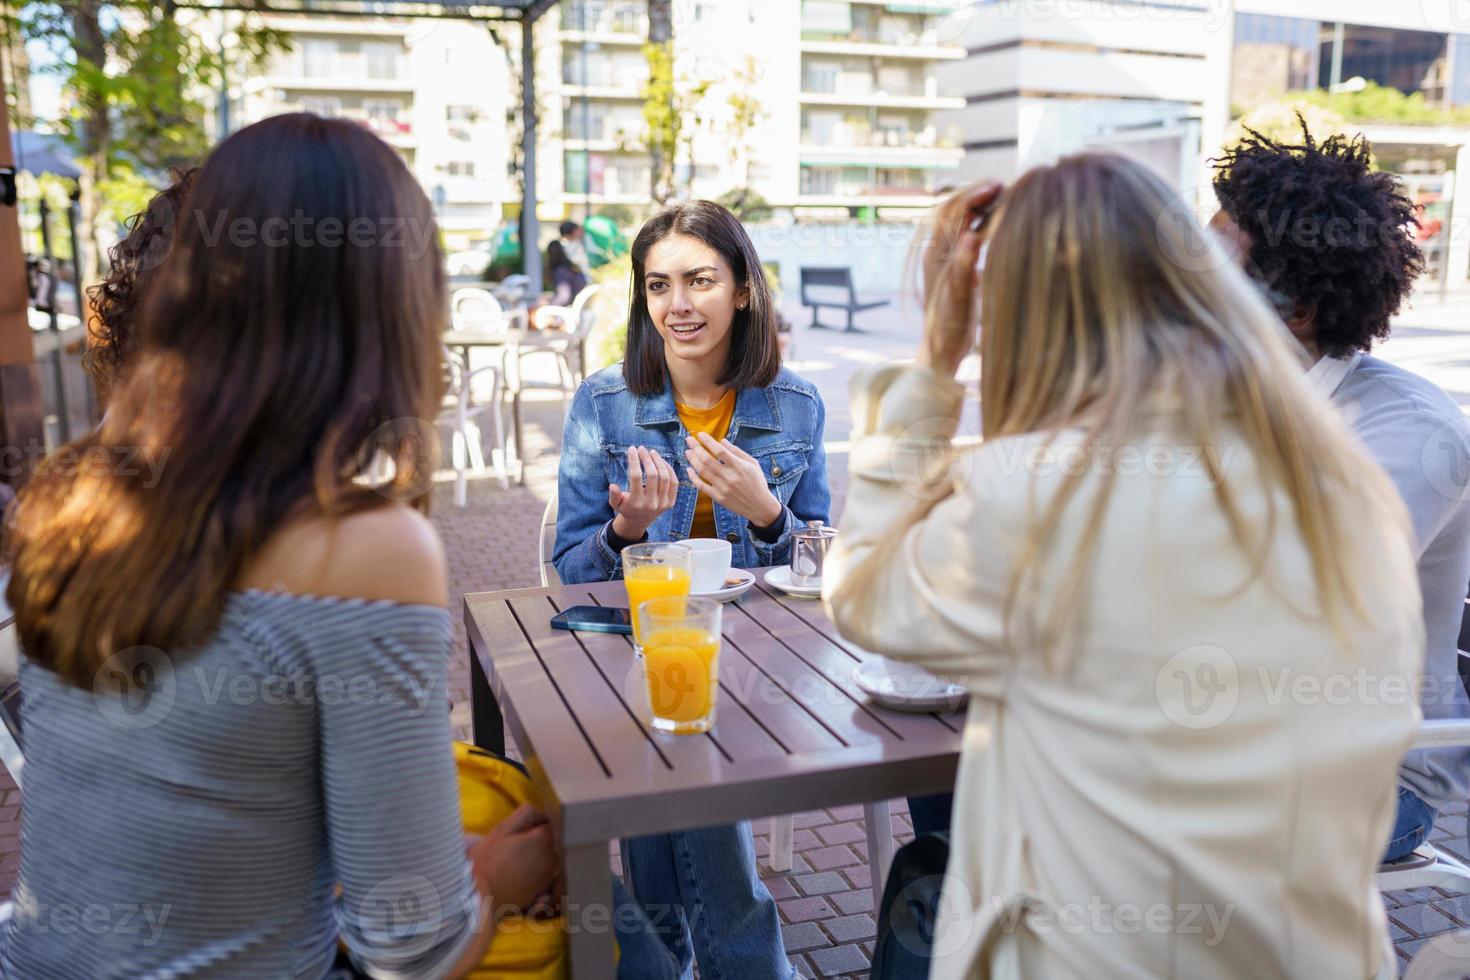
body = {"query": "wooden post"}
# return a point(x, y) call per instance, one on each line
point(22, 438)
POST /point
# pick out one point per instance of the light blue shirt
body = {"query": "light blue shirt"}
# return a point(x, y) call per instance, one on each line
point(1422, 440)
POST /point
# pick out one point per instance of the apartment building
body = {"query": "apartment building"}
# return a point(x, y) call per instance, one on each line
point(437, 91)
point(848, 93)
point(1042, 79)
point(1163, 82)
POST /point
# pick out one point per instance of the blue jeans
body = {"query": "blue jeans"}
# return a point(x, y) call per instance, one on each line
point(641, 953)
point(1412, 825)
point(704, 899)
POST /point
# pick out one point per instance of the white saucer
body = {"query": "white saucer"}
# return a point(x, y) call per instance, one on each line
point(780, 577)
point(743, 581)
point(905, 687)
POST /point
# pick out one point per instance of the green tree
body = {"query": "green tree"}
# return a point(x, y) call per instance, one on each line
point(1278, 121)
point(671, 114)
point(746, 113)
point(129, 73)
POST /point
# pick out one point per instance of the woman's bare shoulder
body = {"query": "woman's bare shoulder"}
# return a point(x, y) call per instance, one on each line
point(390, 553)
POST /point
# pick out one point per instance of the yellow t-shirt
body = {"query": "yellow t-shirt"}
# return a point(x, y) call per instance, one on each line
point(715, 421)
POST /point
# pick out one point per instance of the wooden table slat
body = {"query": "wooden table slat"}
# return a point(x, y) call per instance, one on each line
point(617, 736)
point(738, 734)
point(536, 705)
point(809, 634)
point(764, 722)
point(768, 704)
point(613, 656)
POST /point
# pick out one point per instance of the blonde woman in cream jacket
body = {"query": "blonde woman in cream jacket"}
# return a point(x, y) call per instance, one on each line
point(1181, 596)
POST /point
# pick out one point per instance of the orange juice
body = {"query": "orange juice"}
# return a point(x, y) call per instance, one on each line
point(681, 666)
point(652, 582)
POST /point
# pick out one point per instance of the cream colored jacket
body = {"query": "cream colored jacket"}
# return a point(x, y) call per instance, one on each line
point(1207, 791)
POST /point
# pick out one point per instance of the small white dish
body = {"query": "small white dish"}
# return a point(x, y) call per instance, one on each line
point(906, 687)
point(742, 581)
point(780, 577)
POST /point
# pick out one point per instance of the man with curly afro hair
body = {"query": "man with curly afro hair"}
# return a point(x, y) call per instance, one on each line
point(1331, 240)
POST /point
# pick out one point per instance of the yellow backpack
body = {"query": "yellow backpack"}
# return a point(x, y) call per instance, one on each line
point(490, 789)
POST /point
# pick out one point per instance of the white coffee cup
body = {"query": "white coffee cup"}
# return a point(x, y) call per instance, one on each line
point(709, 562)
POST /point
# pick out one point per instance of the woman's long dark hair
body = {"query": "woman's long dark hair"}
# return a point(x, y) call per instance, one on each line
point(755, 354)
point(293, 328)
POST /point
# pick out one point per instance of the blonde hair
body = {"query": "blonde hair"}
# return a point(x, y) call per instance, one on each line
point(1104, 305)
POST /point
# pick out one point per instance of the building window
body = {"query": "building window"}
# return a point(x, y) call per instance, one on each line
point(1459, 69)
point(322, 105)
point(319, 59)
point(382, 61)
point(819, 180)
point(382, 116)
point(1410, 61)
point(460, 168)
point(585, 121)
point(1273, 55)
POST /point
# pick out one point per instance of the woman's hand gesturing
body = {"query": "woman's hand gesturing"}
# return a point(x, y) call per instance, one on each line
point(733, 479)
point(652, 489)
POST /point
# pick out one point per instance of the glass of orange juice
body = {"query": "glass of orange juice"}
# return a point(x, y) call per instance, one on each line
point(681, 655)
point(651, 571)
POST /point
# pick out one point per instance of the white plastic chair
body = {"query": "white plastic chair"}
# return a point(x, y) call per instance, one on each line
point(568, 353)
point(460, 413)
point(549, 576)
point(472, 308)
point(581, 318)
point(513, 290)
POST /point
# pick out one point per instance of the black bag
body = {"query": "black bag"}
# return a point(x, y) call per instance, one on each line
point(910, 910)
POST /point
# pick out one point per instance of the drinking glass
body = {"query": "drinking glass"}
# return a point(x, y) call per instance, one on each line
point(651, 571)
point(681, 657)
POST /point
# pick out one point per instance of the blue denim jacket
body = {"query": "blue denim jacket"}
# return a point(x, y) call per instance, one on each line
point(780, 425)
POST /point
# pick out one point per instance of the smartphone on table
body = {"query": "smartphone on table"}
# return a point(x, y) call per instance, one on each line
point(593, 619)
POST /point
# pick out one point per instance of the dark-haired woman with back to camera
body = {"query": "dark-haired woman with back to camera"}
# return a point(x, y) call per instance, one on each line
point(235, 665)
point(700, 433)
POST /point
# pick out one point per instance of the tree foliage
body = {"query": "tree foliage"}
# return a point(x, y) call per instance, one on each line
point(671, 115)
point(131, 74)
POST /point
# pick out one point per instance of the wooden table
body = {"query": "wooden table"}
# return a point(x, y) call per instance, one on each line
point(793, 733)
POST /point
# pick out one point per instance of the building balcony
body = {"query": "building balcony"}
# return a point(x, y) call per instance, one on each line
point(848, 95)
point(329, 84)
point(395, 132)
point(918, 51)
point(606, 144)
point(621, 23)
point(880, 155)
point(888, 199)
point(620, 90)
point(850, 136)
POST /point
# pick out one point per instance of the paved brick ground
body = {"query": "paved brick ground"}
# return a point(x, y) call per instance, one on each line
point(826, 906)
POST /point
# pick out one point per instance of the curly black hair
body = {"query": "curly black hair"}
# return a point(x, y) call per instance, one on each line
point(118, 298)
point(1328, 233)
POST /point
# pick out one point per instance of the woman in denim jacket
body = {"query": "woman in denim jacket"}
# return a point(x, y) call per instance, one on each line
point(702, 355)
